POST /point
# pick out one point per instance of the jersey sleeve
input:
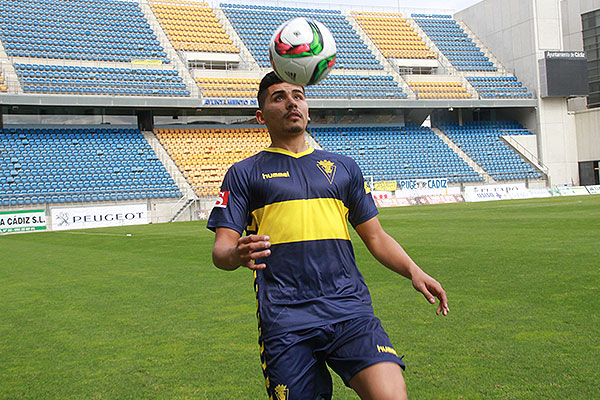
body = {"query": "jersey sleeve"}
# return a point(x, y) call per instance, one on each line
point(231, 208)
point(361, 205)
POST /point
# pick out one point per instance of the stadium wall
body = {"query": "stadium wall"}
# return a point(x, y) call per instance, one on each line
point(518, 33)
point(571, 11)
point(587, 120)
point(588, 134)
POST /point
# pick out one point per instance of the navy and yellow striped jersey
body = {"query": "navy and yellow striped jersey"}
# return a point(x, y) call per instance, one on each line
point(303, 202)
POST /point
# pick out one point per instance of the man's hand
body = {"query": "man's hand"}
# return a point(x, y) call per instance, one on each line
point(232, 251)
point(250, 248)
point(431, 289)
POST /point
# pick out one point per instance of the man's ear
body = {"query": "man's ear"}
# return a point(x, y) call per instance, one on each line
point(259, 117)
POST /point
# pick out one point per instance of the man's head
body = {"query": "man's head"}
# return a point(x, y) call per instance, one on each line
point(269, 79)
point(282, 106)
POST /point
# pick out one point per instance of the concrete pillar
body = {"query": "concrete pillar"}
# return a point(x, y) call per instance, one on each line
point(145, 119)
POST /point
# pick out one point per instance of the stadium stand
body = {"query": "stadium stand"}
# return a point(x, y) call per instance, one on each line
point(439, 90)
point(228, 87)
point(506, 87)
point(334, 86)
point(73, 79)
point(395, 152)
point(256, 23)
point(192, 26)
point(481, 140)
point(93, 47)
point(74, 165)
point(357, 86)
point(204, 155)
point(393, 35)
point(454, 43)
point(93, 30)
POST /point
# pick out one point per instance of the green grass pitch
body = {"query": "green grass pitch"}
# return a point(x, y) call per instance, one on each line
point(99, 315)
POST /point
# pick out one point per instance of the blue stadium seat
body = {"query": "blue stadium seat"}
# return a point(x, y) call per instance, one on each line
point(481, 140)
point(395, 153)
point(65, 165)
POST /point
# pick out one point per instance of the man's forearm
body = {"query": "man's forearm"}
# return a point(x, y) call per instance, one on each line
point(224, 258)
point(389, 253)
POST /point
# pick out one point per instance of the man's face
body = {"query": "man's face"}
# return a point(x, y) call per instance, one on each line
point(285, 110)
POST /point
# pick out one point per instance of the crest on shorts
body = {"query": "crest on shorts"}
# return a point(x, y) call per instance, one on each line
point(327, 168)
point(282, 392)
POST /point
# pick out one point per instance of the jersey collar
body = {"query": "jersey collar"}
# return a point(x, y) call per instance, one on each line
point(289, 153)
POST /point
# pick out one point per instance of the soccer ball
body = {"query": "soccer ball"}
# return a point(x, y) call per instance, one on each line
point(302, 51)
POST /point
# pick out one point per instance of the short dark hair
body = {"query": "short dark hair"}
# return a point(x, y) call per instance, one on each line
point(267, 81)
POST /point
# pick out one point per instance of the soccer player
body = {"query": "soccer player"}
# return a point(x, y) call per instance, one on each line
point(313, 307)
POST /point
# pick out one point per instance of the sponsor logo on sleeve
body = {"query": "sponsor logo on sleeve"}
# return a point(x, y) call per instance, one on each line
point(222, 199)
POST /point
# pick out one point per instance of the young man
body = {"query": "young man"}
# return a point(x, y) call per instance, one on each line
point(313, 306)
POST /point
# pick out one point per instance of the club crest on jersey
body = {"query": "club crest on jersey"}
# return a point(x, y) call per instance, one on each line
point(282, 392)
point(327, 168)
point(222, 199)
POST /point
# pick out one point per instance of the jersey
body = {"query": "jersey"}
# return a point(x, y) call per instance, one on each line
point(303, 202)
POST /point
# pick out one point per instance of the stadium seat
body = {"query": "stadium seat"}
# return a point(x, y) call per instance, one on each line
point(481, 140)
point(204, 155)
point(454, 43)
point(63, 79)
point(396, 153)
point(64, 165)
point(255, 26)
point(393, 35)
point(128, 37)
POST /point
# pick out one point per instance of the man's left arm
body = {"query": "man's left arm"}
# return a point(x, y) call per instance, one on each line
point(389, 252)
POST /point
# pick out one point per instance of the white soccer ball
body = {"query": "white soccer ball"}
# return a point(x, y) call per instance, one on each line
point(302, 51)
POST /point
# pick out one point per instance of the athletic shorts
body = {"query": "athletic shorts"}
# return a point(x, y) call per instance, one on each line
point(295, 363)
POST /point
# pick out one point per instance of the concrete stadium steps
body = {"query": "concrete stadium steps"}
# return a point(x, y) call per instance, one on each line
point(245, 55)
point(169, 164)
point(526, 154)
point(8, 72)
point(176, 59)
point(486, 143)
point(486, 177)
point(445, 63)
point(502, 71)
point(388, 68)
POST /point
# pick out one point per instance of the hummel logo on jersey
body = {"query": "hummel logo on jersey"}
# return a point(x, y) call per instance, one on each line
point(222, 199)
point(327, 168)
point(285, 174)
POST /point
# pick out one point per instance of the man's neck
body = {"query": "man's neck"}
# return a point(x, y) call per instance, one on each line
point(295, 145)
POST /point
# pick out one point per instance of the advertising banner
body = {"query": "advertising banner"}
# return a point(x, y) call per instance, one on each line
point(443, 199)
point(422, 187)
point(99, 217)
point(593, 189)
point(497, 192)
point(392, 202)
point(385, 186)
point(568, 191)
point(539, 192)
point(381, 194)
point(22, 221)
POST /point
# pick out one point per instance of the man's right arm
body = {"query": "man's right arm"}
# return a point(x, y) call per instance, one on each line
point(231, 250)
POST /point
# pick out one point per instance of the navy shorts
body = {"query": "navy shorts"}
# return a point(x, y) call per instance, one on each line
point(295, 363)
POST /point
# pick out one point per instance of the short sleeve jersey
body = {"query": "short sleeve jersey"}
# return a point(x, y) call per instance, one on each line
point(303, 203)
